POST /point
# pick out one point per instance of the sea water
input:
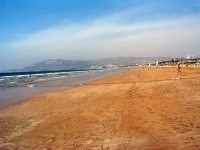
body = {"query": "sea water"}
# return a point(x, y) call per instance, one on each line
point(19, 87)
point(23, 78)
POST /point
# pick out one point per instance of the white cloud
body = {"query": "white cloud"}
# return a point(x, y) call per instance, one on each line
point(130, 12)
point(102, 38)
point(90, 38)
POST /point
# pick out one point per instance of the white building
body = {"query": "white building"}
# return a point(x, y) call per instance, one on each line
point(190, 57)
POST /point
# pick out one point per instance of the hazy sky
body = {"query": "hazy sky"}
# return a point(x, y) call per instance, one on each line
point(35, 30)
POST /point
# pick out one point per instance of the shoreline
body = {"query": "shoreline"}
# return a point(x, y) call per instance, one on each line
point(136, 109)
point(16, 94)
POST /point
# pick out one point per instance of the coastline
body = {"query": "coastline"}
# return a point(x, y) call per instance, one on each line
point(12, 95)
point(137, 109)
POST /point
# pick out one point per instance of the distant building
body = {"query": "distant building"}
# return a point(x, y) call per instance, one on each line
point(190, 60)
point(190, 57)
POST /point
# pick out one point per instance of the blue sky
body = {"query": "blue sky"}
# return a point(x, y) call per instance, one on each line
point(35, 30)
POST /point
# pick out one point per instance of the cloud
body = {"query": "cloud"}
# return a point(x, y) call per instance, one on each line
point(106, 37)
point(128, 14)
point(90, 38)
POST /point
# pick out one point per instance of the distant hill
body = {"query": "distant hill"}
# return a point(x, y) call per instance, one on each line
point(60, 64)
point(131, 60)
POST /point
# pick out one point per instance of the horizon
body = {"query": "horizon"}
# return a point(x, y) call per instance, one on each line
point(33, 31)
point(169, 59)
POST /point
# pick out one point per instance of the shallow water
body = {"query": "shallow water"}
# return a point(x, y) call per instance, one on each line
point(12, 95)
point(19, 78)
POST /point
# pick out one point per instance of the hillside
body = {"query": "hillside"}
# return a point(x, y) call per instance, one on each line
point(60, 64)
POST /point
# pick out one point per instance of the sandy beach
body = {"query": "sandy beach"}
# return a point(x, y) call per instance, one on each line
point(140, 109)
point(12, 95)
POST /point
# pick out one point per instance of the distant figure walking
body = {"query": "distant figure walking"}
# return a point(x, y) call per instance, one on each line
point(172, 62)
point(178, 69)
point(157, 64)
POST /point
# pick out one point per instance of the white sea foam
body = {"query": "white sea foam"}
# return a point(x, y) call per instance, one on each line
point(13, 82)
point(49, 73)
point(19, 76)
point(9, 76)
point(60, 73)
point(38, 75)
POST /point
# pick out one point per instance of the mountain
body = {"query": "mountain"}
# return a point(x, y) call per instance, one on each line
point(60, 64)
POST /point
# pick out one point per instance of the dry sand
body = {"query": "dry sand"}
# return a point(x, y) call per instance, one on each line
point(139, 109)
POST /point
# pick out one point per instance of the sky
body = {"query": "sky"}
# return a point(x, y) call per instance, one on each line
point(35, 30)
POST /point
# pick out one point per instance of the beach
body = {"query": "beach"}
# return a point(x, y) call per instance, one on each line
point(15, 94)
point(139, 109)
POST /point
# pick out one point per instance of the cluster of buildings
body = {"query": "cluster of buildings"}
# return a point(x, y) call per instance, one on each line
point(190, 59)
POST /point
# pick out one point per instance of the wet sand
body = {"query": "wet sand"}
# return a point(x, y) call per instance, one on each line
point(12, 95)
point(138, 110)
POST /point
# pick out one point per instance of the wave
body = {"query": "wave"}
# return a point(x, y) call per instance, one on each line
point(20, 78)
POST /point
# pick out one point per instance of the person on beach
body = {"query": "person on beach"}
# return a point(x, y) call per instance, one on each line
point(172, 62)
point(157, 64)
point(178, 69)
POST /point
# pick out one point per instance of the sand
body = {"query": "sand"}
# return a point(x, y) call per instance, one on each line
point(138, 110)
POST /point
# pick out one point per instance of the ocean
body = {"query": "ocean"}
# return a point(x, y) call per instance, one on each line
point(13, 79)
point(19, 86)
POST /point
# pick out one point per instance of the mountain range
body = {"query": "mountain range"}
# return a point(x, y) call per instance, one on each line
point(60, 64)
